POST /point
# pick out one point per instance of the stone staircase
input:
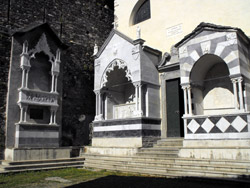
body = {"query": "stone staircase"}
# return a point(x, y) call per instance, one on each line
point(19, 166)
point(162, 160)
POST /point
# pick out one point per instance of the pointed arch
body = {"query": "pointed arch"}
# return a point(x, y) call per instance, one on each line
point(115, 63)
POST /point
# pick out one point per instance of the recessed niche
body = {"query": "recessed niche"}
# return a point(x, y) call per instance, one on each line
point(36, 113)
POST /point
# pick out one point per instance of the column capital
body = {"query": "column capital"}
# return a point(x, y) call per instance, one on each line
point(186, 86)
point(97, 92)
point(137, 84)
point(240, 79)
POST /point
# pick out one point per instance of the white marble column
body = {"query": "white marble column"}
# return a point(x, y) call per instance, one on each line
point(26, 78)
point(136, 97)
point(53, 83)
point(185, 99)
point(51, 117)
point(234, 81)
point(240, 93)
point(23, 78)
point(100, 104)
point(140, 99)
point(21, 114)
point(25, 108)
point(189, 100)
point(55, 117)
point(55, 89)
point(96, 103)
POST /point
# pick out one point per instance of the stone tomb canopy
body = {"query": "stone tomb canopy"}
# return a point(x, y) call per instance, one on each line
point(34, 90)
point(126, 87)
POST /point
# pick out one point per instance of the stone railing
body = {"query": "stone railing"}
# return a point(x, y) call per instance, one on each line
point(217, 126)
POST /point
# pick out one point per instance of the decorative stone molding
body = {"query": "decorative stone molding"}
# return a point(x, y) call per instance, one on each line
point(42, 46)
point(116, 63)
point(31, 97)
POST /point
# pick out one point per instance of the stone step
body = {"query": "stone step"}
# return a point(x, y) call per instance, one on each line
point(41, 161)
point(156, 164)
point(160, 149)
point(169, 142)
point(158, 154)
point(3, 171)
point(163, 159)
point(144, 169)
point(41, 165)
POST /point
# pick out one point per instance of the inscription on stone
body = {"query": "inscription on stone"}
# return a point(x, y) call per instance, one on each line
point(39, 98)
point(174, 30)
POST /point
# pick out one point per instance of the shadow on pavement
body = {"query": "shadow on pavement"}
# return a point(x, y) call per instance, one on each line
point(187, 182)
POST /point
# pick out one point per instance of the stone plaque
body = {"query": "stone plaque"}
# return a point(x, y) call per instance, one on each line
point(174, 30)
point(124, 111)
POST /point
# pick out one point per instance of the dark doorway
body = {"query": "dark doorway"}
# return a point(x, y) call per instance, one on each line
point(175, 108)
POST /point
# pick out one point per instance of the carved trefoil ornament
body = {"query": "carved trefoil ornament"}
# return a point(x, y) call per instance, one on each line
point(116, 63)
point(42, 46)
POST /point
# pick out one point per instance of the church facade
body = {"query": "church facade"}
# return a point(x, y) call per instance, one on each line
point(196, 86)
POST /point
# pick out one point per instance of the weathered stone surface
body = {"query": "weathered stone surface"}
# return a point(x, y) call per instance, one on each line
point(5, 46)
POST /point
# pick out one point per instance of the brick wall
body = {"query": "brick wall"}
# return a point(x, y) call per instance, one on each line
point(80, 24)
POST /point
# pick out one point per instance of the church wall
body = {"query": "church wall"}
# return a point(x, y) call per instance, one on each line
point(171, 20)
point(80, 24)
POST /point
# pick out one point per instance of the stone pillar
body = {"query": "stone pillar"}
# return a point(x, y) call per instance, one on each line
point(55, 89)
point(189, 100)
point(25, 65)
point(140, 99)
point(240, 93)
point(23, 78)
point(53, 111)
point(27, 78)
point(53, 83)
point(25, 108)
point(136, 97)
point(21, 114)
point(234, 81)
point(185, 99)
point(96, 103)
point(100, 104)
point(98, 116)
point(51, 117)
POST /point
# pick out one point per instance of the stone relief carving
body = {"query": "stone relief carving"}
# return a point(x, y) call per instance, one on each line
point(205, 46)
point(231, 36)
point(136, 52)
point(116, 63)
point(115, 50)
point(183, 50)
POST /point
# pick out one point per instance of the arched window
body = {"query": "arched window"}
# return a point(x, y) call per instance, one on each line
point(142, 13)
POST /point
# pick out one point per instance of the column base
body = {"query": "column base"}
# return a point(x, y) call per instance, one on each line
point(99, 117)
